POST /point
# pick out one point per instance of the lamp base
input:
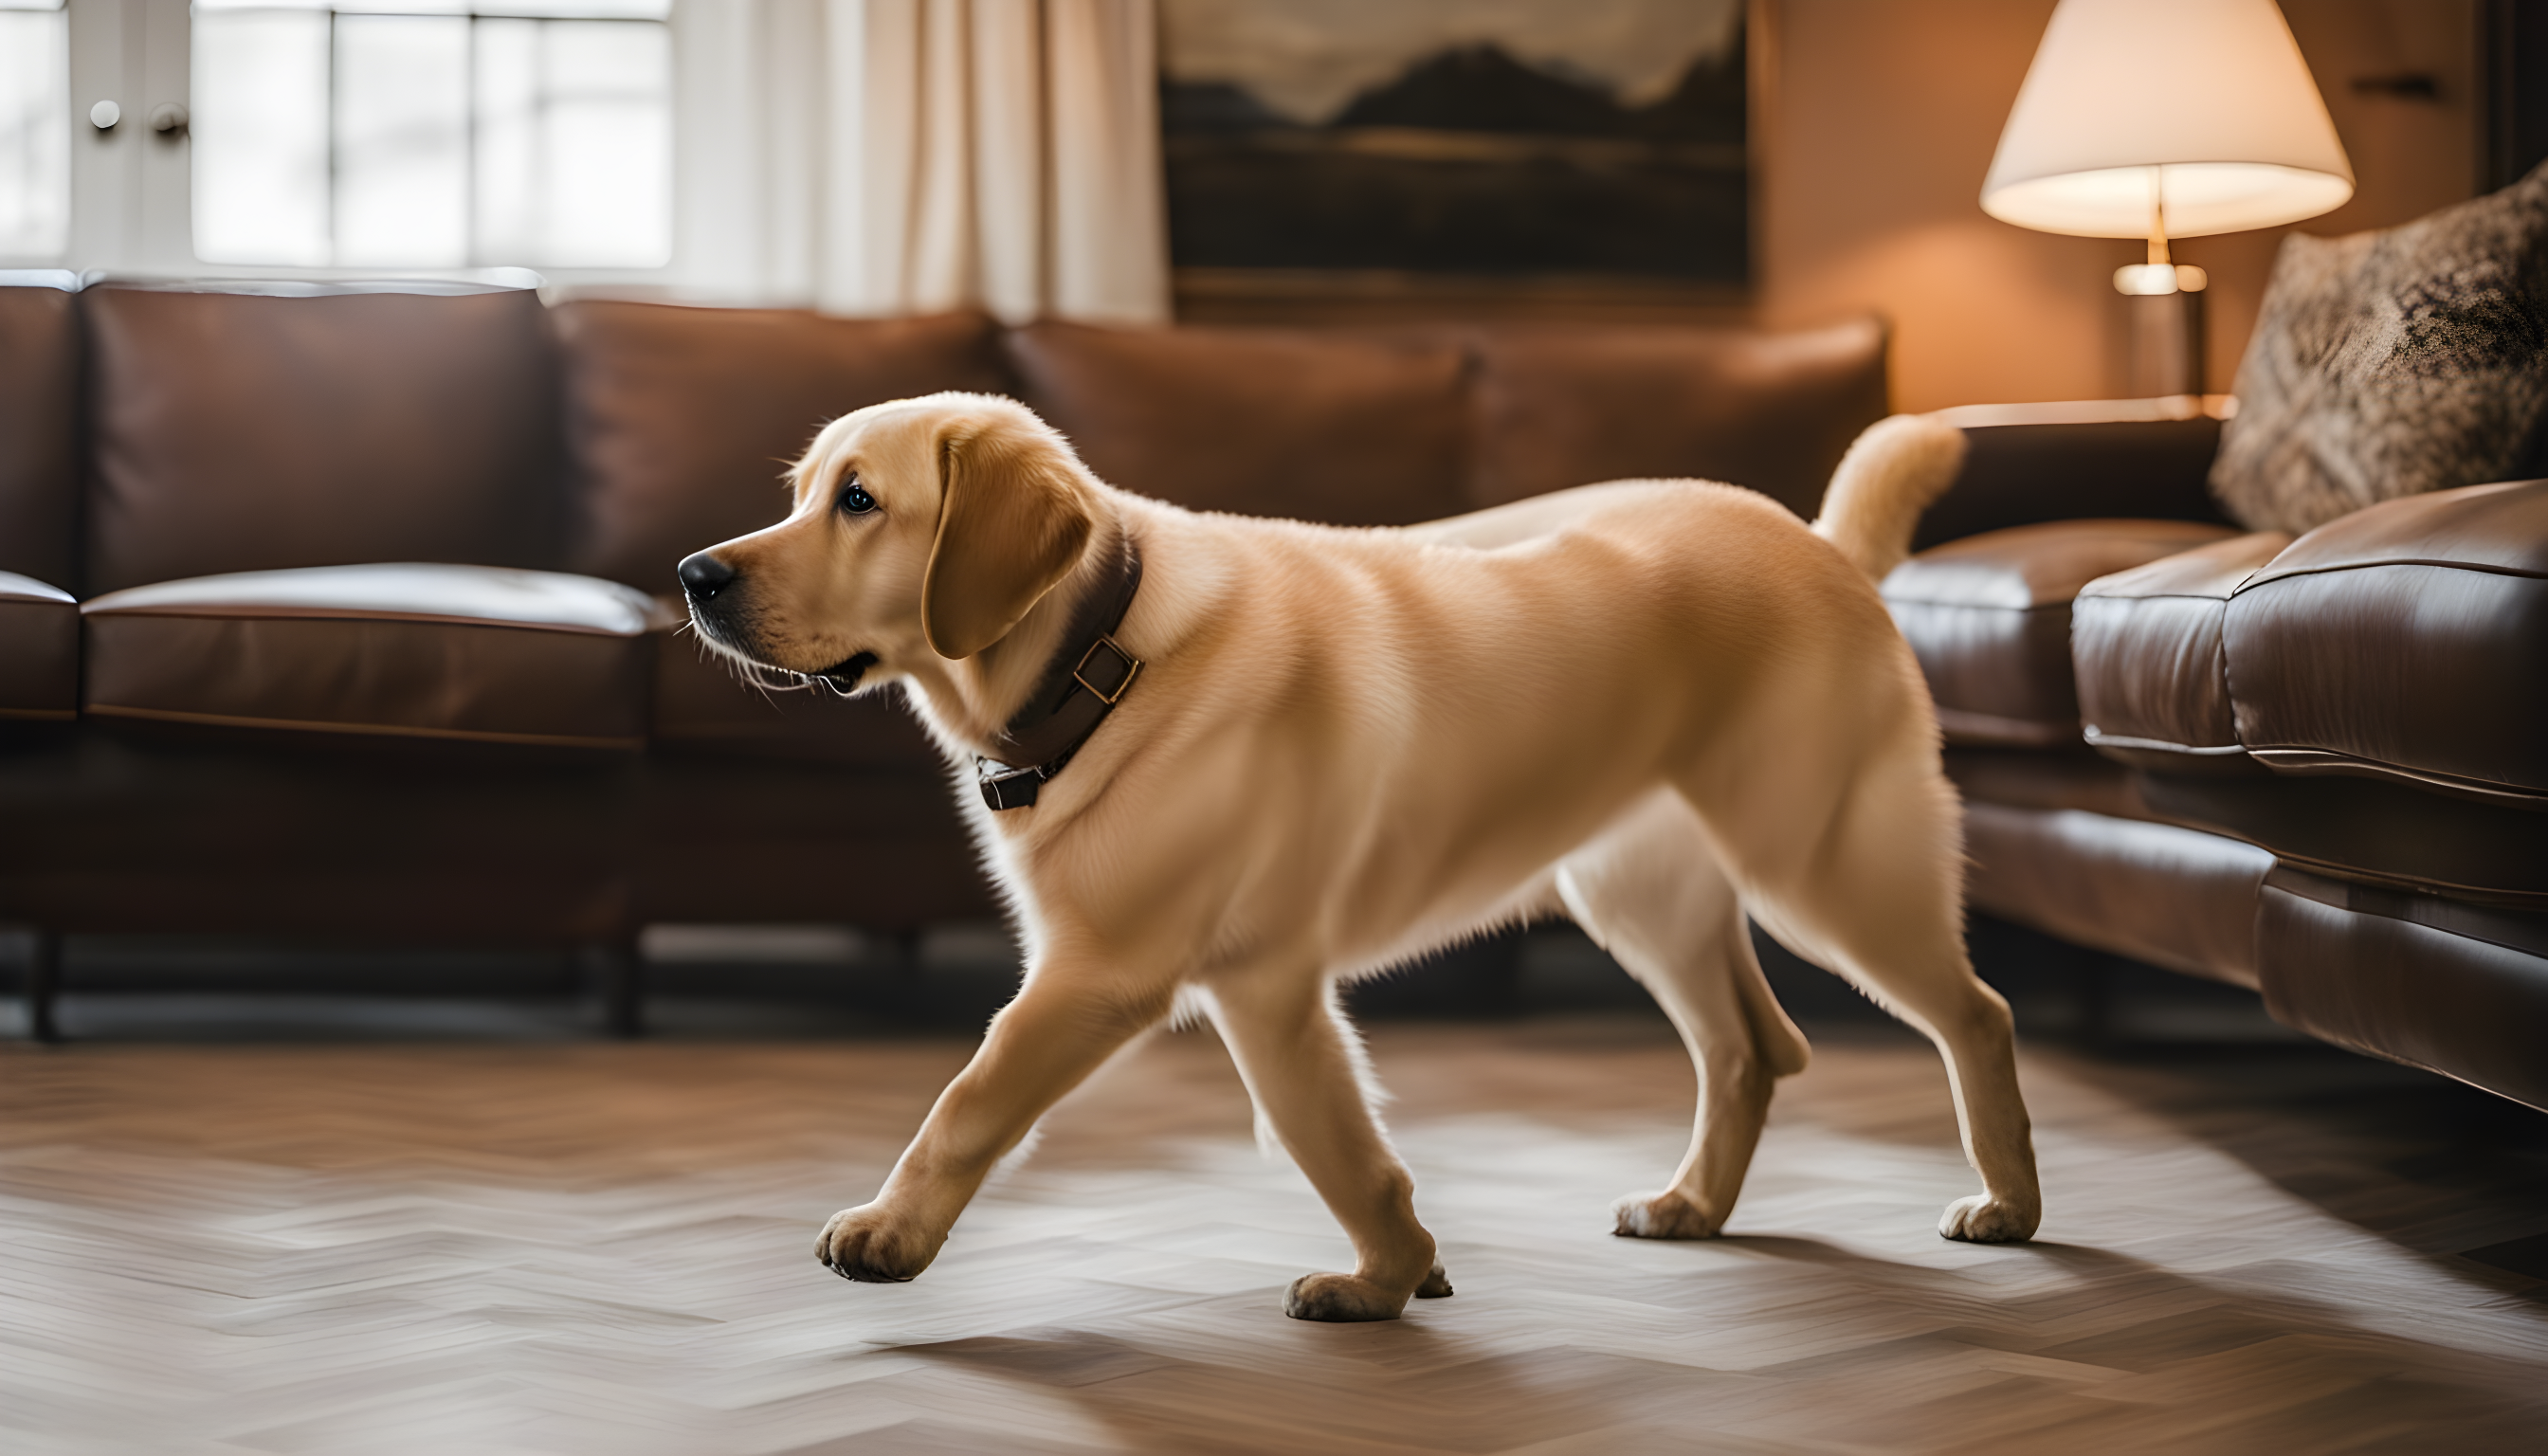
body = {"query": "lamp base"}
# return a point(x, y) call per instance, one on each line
point(2163, 353)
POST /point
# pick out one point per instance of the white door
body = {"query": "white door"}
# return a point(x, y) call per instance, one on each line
point(86, 178)
point(131, 153)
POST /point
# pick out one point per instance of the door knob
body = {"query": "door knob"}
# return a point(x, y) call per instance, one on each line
point(168, 119)
point(105, 115)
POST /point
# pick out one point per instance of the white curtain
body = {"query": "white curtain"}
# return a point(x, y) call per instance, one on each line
point(903, 156)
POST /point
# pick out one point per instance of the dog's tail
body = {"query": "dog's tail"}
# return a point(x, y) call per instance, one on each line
point(1891, 473)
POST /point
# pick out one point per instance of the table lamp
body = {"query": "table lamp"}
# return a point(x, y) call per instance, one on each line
point(2160, 117)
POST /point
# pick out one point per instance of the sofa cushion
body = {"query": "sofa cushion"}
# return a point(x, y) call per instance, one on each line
point(2161, 893)
point(1560, 407)
point(886, 850)
point(683, 421)
point(39, 368)
point(2390, 833)
point(39, 650)
point(413, 651)
point(2383, 831)
point(2459, 989)
point(1349, 429)
point(245, 431)
point(2145, 650)
point(2407, 641)
point(1990, 618)
point(702, 705)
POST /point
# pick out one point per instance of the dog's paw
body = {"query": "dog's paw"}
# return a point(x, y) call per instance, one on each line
point(1982, 1218)
point(1665, 1215)
point(1436, 1285)
point(870, 1245)
point(1338, 1299)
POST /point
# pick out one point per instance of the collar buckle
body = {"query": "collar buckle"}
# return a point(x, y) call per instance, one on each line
point(1119, 671)
point(1009, 788)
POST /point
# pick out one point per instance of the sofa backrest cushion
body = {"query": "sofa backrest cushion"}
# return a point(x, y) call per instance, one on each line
point(2028, 464)
point(1345, 427)
point(683, 420)
point(38, 424)
point(318, 426)
point(1570, 406)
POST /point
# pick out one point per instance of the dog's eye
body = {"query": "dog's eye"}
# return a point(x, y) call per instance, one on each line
point(855, 500)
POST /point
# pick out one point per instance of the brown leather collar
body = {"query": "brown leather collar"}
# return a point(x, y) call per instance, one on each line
point(1086, 678)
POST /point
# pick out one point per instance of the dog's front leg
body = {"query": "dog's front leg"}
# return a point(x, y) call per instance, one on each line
point(1066, 1022)
point(1304, 1068)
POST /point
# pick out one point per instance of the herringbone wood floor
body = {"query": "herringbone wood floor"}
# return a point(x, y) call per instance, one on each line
point(607, 1250)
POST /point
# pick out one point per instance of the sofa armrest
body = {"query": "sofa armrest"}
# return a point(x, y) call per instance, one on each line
point(2140, 459)
point(40, 642)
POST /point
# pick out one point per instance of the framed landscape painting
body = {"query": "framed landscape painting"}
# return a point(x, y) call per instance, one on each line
point(1585, 143)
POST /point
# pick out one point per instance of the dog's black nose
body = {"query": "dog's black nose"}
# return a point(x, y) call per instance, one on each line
point(703, 576)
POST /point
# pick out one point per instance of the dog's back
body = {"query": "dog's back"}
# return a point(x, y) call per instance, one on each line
point(1411, 729)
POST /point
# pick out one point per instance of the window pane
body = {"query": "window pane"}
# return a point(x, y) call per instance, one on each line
point(260, 134)
point(508, 180)
point(403, 139)
point(35, 135)
point(330, 135)
point(607, 145)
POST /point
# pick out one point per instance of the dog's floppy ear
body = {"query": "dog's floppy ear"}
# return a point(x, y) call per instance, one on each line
point(1012, 522)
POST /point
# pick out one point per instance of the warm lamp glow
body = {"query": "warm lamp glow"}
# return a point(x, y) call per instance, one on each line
point(2157, 118)
point(2157, 279)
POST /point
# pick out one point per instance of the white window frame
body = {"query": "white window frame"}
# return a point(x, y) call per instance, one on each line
point(132, 188)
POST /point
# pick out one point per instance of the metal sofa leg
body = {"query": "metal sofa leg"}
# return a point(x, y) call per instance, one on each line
point(43, 982)
point(622, 973)
point(2096, 981)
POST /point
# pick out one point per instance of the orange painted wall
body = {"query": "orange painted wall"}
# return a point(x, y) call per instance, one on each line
point(1879, 124)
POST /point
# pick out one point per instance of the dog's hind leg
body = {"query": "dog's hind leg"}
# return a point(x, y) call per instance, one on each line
point(1651, 892)
point(1873, 890)
point(1304, 1069)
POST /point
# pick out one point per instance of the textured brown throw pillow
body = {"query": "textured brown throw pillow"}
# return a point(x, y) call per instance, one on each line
point(2388, 364)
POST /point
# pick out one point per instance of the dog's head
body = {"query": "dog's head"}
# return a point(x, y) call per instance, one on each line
point(922, 528)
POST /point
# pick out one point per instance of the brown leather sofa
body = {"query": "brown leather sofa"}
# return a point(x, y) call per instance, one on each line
point(2313, 768)
point(340, 612)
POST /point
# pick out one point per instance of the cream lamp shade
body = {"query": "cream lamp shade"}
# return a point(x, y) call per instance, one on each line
point(2151, 117)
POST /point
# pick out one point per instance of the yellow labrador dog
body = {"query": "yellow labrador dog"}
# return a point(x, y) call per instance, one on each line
point(1231, 762)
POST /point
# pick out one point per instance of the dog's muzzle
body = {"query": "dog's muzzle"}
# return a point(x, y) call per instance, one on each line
point(704, 579)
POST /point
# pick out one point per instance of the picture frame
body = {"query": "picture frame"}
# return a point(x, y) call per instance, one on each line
point(1439, 159)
